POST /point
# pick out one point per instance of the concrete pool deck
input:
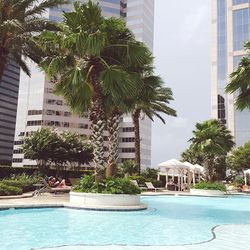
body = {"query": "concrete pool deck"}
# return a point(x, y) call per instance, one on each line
point(223, 237)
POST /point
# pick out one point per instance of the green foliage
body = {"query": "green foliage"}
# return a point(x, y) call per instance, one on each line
point(239, 159)
point(23, 182)
point(107, 186)
point(210, 186)
point(150, 173)
point(212, 140)
point(193, 156)
point(140, 179)
point(128, 167)
point(9, 190)
point(20, 20)
point(49, 147)
point(238, 180)
point(239, 83)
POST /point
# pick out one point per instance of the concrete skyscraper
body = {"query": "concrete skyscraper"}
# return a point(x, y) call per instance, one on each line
point(230, 30)
point(39, 107)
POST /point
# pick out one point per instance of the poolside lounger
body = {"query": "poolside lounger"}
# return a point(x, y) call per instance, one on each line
point(47, 188)
point(136, 184)
point(150, 186)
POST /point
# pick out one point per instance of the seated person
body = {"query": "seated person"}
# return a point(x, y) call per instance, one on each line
point(53, 182)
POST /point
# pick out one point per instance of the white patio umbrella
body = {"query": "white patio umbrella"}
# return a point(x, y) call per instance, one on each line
point(176, 167)
point(246, 172)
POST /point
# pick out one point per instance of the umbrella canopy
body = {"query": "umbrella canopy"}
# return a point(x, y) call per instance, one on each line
point(247, 171)
point(172, 164)
point(199, 168)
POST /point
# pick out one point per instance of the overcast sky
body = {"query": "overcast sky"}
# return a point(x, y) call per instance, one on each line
point(182, 58)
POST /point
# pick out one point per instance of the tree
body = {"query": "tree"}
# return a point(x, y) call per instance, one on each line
point(193, 156)
point(19, 21)
point(213, 140)
point(239, 83)
point(49, 148)
point(239, 159)
point(128, 167)
point(151, 100)
point(87, 60)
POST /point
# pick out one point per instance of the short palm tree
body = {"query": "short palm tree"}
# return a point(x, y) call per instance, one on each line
point(151, 100)
point(19, 20)
point(87, 61)
point(240, 81)
point(213, 140)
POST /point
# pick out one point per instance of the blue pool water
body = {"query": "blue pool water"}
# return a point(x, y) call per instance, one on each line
point(168, 221)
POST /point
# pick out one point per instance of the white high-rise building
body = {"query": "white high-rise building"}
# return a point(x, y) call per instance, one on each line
point(230, 30)
point(39, 107)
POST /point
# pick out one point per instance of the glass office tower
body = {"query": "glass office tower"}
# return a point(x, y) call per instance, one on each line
point(230, 29)
point(9, 85)
point(39, 107)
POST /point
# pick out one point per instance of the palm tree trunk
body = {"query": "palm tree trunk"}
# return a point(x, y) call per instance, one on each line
point(3, 61)
point(210, 174)
point(136, 117)
point(97, 127)
point(113, 129)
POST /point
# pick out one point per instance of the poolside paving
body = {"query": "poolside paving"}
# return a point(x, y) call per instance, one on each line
point(225, 237)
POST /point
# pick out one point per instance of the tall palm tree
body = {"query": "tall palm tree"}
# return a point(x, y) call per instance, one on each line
point(151, 100)
point(212, 139)
point(87, 61)
point(19, 20)
point(240, 81)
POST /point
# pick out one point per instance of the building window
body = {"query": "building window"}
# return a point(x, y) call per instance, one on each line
point(128, 129)
point(221, 109)
point(83, 125)
point(128, 139)
point(66, 124)
point(18, 142)
point(34, 123)
point(17, 160)
point(67, 114)
point(240, 28)
point(128, 150)
point(235, 2)
point(17, 151)
point(35, 112)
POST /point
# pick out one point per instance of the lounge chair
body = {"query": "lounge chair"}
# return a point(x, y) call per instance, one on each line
point(47, 188)
point(150, 186)
point(136, 184)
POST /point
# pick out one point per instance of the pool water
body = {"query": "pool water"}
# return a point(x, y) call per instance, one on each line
point(170, 220)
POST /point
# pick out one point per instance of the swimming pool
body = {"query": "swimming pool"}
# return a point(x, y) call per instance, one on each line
point(170, 220)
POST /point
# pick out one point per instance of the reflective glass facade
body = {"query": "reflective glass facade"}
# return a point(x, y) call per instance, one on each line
point(235, 2)
point(9, 86)
point(240, 28)
point(231, 24)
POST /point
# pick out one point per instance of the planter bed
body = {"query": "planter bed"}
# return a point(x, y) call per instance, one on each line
point(206, 192)
point(106, 201)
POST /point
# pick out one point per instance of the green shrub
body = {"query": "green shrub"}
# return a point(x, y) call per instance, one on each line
point(107, 186)
point(210, 186)
point(140, 179)
point(23, 181)
point(238, 180)
point(9, 190)
point(150, 173)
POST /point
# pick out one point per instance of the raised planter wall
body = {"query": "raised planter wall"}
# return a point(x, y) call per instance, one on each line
point(206, 192)
point(94, 199)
